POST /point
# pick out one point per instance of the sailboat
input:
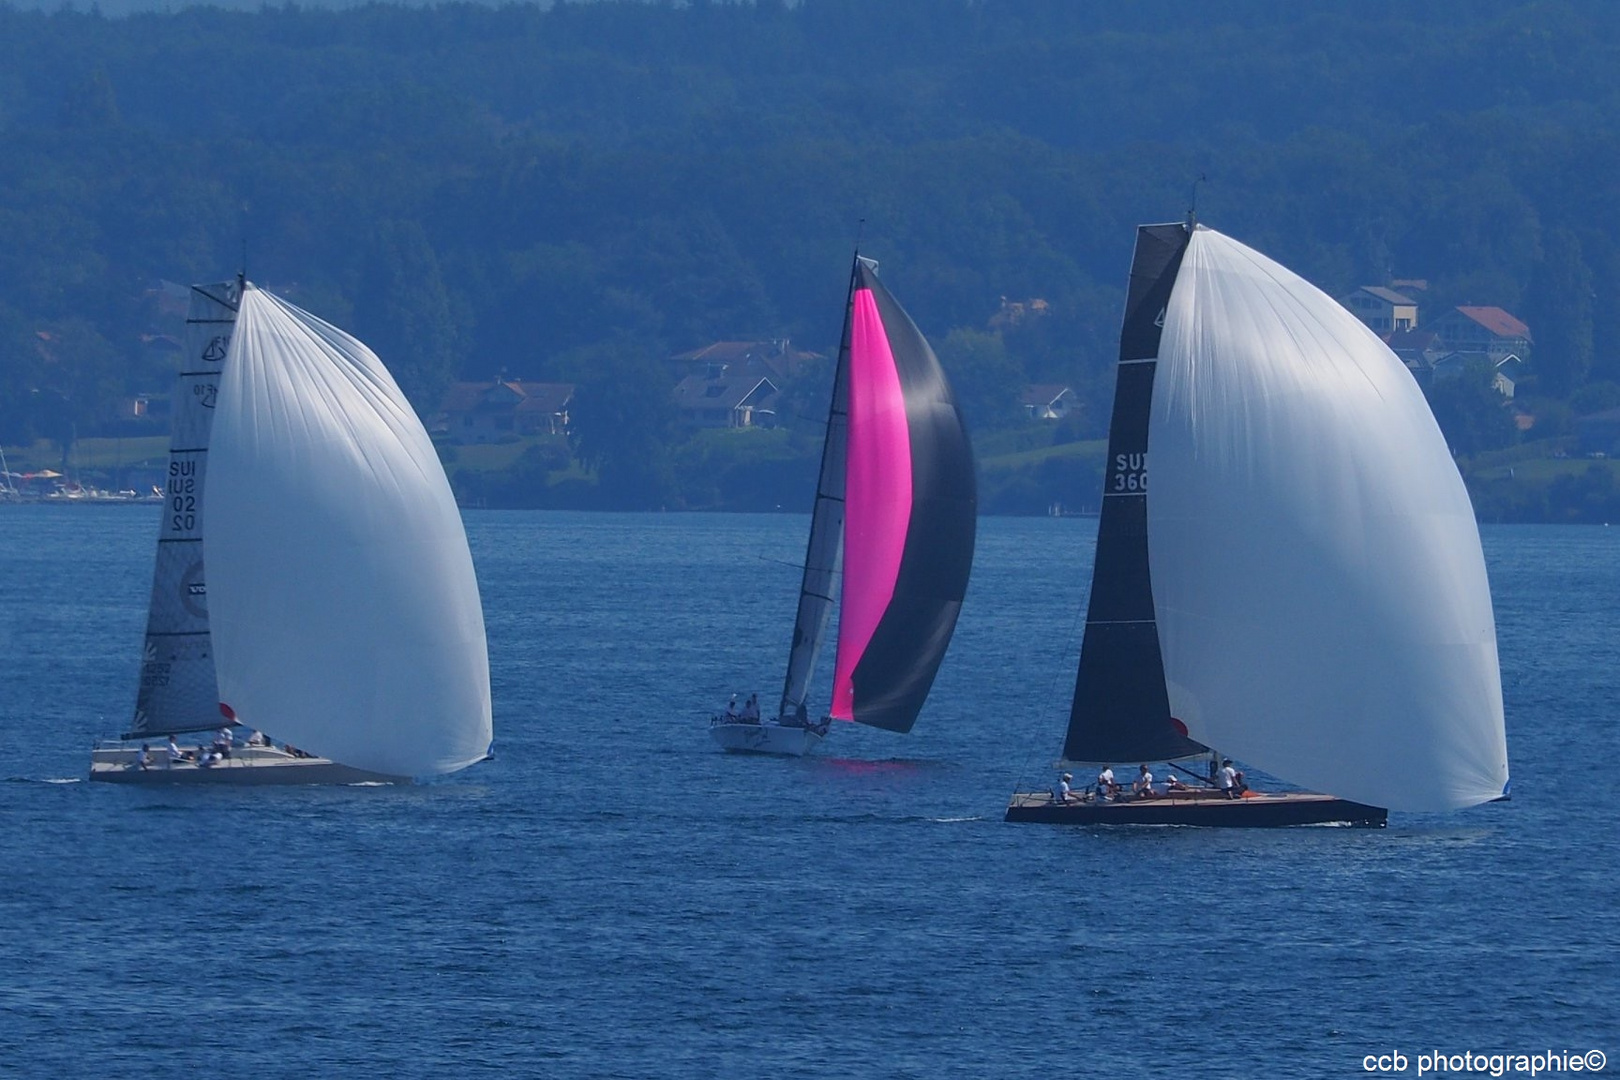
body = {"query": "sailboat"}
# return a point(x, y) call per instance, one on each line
point(339, 615)
point(897, 493)
point(1302, 587)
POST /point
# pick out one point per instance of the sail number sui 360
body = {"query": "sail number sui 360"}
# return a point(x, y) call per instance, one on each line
point(1129, 474)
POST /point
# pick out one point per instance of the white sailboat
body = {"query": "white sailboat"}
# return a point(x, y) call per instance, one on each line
point(1302, 586)
point(339, 613)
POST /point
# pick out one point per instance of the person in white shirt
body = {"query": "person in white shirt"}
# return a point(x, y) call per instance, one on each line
point(176, 755)
point(751, 709)
point(1106, 787)
point(1226, 779)
point(731, 708)
point(1062, 792)
point(1143, 788)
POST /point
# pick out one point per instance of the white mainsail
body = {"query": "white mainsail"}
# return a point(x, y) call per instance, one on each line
point(1321, 595)
point(345, 610)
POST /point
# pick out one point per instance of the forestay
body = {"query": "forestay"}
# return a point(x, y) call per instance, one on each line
point(346, 614)
point(1320, 591)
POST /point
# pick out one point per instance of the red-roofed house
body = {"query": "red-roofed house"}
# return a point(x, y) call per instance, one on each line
point(776, 359)
point(726, 401)
point(1489, 330)
point(485, 412)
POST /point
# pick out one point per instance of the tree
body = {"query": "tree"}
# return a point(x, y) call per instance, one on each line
point(403, 312)
point(1471, 413)
point(623, 420)
point(986, 380)
point(1560, 314)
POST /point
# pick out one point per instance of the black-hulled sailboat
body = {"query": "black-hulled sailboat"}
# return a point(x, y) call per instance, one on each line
point(1303, 589)
point(897, 492)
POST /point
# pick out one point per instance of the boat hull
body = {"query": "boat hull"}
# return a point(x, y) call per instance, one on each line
point(765, 738)
point(247, 765)
point(1255, 811)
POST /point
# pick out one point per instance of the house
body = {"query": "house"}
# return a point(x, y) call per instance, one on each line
point(1482, 329)
point(1452, 364)
point(1418, 350)
point(726, 400)
point(1384, 310)
point(774, 358)
point(1047, 401)
point(502, 409)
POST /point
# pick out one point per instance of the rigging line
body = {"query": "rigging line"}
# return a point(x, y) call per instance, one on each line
point(1076, 620)
point(799, 566)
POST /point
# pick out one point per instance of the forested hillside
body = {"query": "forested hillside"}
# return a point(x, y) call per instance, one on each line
point(573, 194)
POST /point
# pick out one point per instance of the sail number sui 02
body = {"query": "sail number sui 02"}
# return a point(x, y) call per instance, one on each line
point(181, 494)
point(1128, 475)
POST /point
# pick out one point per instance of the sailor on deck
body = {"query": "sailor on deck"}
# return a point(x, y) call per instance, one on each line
point(1061, 793)
point(1143, 788)
point(1226, 779)
point(731, 709)
point(750, 712)
point(1106, 787)
point(176, 755)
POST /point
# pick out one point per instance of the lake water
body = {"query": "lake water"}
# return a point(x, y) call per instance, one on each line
point(613, 897)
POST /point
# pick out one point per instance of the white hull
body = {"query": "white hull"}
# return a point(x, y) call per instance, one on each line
point(119, 763)
point(766, 737)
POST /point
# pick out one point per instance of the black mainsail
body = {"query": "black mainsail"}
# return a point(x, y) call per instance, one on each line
point(1121, 711)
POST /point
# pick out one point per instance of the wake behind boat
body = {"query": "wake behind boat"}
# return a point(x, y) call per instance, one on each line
point(339, 610)
point(1304, 587)
point(897, 494)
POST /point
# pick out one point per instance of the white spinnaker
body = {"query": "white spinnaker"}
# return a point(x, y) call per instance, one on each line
point(345, 611)
point(1321, 595)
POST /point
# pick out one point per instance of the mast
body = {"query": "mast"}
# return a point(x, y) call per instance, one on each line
point(826, 531)
point(178, 691)
point(1121, 709)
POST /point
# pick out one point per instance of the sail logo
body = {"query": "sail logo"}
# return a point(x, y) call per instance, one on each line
point(206, 392)
point(194, 592)
point(1158, 320)
point(1128, 475)
point(215, 352)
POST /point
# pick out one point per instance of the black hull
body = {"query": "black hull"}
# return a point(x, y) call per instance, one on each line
point(1253, 812)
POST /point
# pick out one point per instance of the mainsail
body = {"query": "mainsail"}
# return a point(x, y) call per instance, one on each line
point(1318, 583)
point(177, 691)
point(1120, 711)
point(910, 506)
point(346, 612)
point(826, 538)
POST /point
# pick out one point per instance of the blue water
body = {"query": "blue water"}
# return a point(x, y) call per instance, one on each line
point(612, 897)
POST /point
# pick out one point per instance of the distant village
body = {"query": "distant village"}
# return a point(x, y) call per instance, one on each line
point(738, 384)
